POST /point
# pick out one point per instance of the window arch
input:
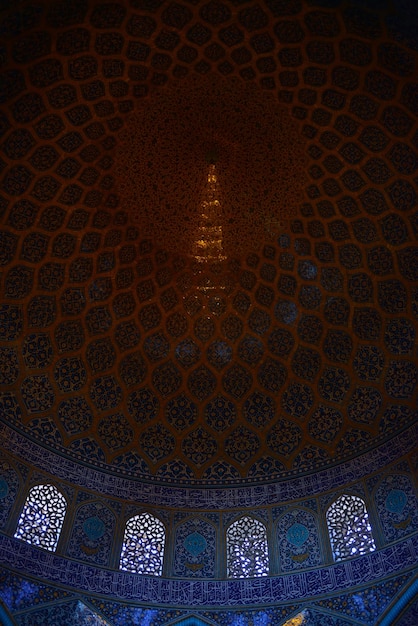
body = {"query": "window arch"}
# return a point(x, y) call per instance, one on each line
point(349, 527)
point(247, 549)
point(42, 517)
point(190, 621)
point(143, 545)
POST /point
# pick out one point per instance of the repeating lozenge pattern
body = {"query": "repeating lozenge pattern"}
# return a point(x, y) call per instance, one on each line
point(314, 324)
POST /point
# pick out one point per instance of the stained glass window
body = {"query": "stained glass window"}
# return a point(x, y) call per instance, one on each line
point(143, 545)
point(42, 517)
point(247, 549)
point(349, 527)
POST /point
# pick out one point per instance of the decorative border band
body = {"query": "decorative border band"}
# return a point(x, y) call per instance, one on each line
point(211, 497)
point(46, 566)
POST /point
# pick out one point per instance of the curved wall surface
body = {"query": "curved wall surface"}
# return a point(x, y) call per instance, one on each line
point(208, 278)
point(303, 576)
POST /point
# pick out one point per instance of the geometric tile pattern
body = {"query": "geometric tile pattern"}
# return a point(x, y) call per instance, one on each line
point(114, 352)
point(254, 589)
point(193, 539)
point(92, 534)
point(287, 354)
point(298, 540)
point(195, 549)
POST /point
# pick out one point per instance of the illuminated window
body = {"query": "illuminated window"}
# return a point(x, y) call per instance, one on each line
point(349, 527)
point(143, 545)
point(42, 517)
point(246, 548)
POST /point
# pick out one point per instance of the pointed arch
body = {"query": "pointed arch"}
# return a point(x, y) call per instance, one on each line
point(143, 545)
point(397, 506)
point(349, 528)
point(92, 533)
point(247, 548)
point(42, 517)
point(194, 555)
point(191, 620)
point(298, 540)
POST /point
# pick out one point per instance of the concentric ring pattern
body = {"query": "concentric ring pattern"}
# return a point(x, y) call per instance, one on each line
point(304, 352)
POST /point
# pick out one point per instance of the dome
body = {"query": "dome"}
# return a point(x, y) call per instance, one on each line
point(208, 312)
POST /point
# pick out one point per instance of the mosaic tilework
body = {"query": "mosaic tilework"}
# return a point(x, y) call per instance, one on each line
point(73, 612)
point(365, 605)
point(220, 413)
point(298, 539)
point(36, 593)
point(9, 487)
point(181, 413)
point(229, 594)
point(227, 496)
point(199, 446)
point(75, 415)
point(396, 502)
point(195, 549)
point(114, 431)
point(38, 394)
point(365, 403)
point(241, 445)
point(9, 366)
point(157, 442)
point(45, 429)
point(325, 423)
point(368, 325)
point(317, 304)
point(103, 612)
point(344, 76)
point(70, 374)
point(297, 400)
point(37, 350)
point(92, 534)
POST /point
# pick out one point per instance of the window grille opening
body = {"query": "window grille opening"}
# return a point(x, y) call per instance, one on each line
point(349, 528)
point(143, 545)
point(42, 517)
point(247, 549)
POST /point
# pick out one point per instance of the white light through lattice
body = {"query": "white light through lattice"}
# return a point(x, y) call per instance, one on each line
point(42, 517)
point(349, 527)
point(247, 549)
point(143, 545)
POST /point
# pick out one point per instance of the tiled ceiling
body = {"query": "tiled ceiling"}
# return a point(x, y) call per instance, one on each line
point(113, 350)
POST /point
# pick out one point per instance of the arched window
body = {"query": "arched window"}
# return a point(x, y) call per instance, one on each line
point(143, 545)
point(247, 549)
point(349, 527)
point(42, 517)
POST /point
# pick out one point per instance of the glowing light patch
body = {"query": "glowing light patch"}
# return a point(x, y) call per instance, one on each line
point(298, 620)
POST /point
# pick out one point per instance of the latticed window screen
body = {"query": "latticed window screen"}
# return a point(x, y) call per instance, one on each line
point(247, 549)
point(349, 527)
point(143, 545)
point(42, 517)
